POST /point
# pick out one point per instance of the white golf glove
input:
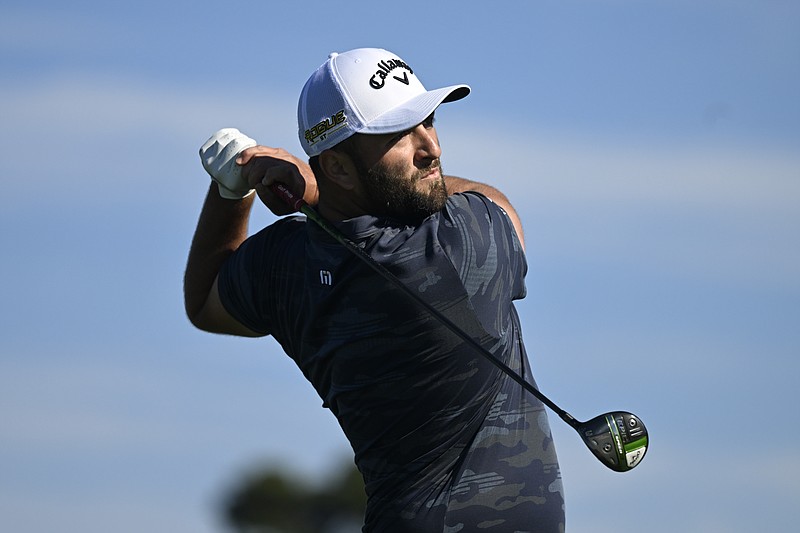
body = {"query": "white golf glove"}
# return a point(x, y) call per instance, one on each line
point(218, 155)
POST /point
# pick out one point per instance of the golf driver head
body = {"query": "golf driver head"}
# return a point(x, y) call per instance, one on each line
point(618, 439)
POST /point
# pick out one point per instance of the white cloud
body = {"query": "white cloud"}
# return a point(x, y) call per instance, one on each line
point(725, 212)
point(77, 108)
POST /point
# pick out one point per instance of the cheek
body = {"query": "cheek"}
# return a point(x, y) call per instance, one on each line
point(399, 157)
point(391, 167)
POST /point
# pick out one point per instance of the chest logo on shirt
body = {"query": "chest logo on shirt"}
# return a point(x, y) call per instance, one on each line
point(431, 279)
point(325, 277)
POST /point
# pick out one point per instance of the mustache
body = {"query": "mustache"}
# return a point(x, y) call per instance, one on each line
point(419, 174)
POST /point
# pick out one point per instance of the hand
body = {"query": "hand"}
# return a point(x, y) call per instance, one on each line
point(262, 166)
point(218, 155)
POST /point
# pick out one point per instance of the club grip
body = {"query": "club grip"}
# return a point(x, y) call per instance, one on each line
point(287, 196)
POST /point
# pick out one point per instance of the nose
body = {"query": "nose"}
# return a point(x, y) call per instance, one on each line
point(427, 145)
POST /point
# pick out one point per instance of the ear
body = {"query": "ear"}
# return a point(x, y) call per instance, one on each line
point(339, 168)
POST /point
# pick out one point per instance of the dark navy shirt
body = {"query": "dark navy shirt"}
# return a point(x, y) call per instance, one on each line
point(445, 441)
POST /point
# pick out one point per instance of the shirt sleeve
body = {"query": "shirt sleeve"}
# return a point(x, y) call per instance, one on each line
point(478, 237)
point(255, 282)
point(240, 282)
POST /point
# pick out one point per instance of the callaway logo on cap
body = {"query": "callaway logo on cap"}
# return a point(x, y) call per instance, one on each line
point(367, 90)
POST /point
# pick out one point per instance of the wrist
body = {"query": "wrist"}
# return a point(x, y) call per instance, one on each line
point(228, 194)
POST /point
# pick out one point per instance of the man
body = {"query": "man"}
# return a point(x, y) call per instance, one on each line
point(444, 440)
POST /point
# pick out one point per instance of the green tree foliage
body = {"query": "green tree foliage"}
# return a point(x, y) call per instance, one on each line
point(274, 501)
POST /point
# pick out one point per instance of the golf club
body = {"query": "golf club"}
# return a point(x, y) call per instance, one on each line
point(617, 438)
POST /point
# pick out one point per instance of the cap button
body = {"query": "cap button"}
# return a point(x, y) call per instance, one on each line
point(332, 55)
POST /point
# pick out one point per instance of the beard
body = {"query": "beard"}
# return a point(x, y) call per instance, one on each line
point(397, 195)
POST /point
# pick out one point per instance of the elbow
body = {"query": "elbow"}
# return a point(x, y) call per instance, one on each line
point(195, 313)
point(195, 319)
point(219, 323)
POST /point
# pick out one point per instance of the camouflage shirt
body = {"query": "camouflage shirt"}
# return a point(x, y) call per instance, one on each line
point(445, 441)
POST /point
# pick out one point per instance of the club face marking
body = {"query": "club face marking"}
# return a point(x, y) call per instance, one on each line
point(618, 439)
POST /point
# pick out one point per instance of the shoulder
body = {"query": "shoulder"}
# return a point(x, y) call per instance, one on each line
point(471, 202)
point(285, 232)
point(474, 212)
point(282, 228)
point(278, 246)
point(473, 230)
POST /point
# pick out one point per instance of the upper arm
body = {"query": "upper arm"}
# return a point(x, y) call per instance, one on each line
point(482, 243)
point(213, 317)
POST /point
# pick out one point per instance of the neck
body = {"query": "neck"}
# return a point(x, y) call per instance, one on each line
point(337, 204)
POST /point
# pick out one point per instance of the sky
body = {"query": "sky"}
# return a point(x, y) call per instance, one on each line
point(650, 147)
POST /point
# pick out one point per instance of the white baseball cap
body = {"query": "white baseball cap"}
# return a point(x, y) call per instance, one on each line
point(367, 90)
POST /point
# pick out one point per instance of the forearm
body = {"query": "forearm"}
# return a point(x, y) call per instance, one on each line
point(456, 185)
point(221, 229)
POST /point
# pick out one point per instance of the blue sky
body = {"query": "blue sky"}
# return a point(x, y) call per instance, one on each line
point(651, 148)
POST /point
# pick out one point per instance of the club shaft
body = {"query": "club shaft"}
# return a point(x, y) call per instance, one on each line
point(297, 203)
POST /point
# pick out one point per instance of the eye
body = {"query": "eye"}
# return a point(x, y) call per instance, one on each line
point(427, 124)
point(396, 138)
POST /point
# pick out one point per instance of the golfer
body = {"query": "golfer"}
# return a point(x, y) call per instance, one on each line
point(445, 441)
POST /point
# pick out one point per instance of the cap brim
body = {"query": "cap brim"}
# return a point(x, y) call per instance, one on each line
point(414, 111)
